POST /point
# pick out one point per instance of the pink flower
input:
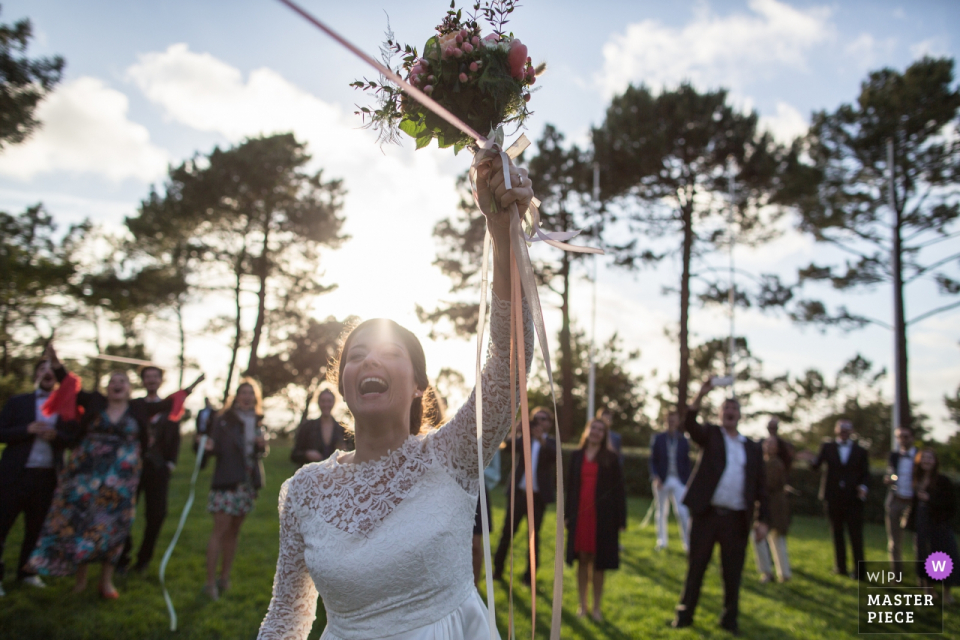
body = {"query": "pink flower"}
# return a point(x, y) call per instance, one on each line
point(464, 33)
point(428, 89)
point(458, 53)
point(531, 73)
point(474, 66)
point(463, 77)
point(491, 38)
point(447, 52)
point(476, 41)
point(526, 97)
point(467, 47)
point(459, 38)
point(517, 59)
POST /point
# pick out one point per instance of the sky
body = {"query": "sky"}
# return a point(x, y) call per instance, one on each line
point(151, 84)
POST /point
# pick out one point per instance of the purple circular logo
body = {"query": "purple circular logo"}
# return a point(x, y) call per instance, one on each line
point(939, 566)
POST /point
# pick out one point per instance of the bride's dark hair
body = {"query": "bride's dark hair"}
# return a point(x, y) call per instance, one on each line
point(425, 405)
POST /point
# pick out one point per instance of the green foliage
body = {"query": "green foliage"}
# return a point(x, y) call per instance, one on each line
point(838, 180)
point(35, 269)
point(23, 82)
point(666, 162)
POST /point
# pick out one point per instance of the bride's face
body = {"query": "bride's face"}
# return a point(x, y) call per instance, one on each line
point(378, 380)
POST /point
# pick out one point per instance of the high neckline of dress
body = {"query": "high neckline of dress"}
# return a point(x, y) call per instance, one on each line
point(359, 466)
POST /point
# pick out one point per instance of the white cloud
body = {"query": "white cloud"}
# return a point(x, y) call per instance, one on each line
point(394, 195)
point(86, 130)
point(787, 124)
point(867, 50)
point(933, 47)
point(715, 50)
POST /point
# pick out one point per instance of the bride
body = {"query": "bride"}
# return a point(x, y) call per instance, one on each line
point(384, 533)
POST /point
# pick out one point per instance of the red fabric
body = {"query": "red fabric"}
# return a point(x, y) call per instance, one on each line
point(176, 411)
point(63, 401)
point(585, 539)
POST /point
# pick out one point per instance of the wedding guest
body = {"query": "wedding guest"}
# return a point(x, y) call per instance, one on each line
point(205, 418)
point(727, 488)
point(159, 461)
point(95, 501)
point(934, 505)
point(543, 454)
point(899, 481)
point(616, 440)
point(401, 569)
point(669, 472)
point(784, 448)
point(775, 542)
point(318, 439)
point(238, 443)
point(843, 488)
point(29, 466)
point(596, 509)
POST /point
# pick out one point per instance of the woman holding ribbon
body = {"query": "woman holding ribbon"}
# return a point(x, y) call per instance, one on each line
point(95, 501)
point(382, 532)
point(238, 443)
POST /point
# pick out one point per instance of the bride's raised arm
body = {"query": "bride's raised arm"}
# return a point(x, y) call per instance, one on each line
point(456, 442)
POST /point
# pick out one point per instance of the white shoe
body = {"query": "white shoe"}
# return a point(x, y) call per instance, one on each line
point(660, 547)
point(35, 582)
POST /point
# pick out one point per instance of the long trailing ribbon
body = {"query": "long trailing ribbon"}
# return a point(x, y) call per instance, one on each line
point(522, 270)
point(201, 449)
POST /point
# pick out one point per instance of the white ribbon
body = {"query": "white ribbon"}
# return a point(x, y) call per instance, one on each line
point(201, 449)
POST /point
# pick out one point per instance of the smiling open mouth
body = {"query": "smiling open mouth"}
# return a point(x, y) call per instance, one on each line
point(372, 385)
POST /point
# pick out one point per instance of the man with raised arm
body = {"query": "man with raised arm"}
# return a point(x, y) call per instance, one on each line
point(727, 488)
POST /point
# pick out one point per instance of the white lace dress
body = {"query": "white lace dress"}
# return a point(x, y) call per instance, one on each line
point(387, 543)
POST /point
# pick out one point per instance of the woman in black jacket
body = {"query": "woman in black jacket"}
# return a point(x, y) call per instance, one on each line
point(238, 443)
point(934, 505)
point(596, 509)
point(317, 440)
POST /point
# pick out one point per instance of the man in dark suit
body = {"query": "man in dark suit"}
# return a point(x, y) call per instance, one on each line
point(29, 466)
point(727, 487)
point(669, 472)
point(843, 487)
point(543, 452)
point(159, 461)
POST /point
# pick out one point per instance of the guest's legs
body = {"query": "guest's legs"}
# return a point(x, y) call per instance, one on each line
point(662, 508)
point(584, 564)
point(509, 527)
point(157, 481)
point(702, 538)
point(106, 579)
point(836, 517)
point(762, 550)
point(678, 491)
point(81, 578)
point(597, 593)
point(42, 487)
point(893, 513)
point(855, 524)
point(733, 534)
point(11, 504)
point(221, 524)
point(778, 544)
point(229, 547)
point(539, 507)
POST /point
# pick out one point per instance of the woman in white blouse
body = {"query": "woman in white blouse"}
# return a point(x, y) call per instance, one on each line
point(383, 533)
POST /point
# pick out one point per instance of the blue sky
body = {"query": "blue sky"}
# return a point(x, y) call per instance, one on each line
point(152, 83)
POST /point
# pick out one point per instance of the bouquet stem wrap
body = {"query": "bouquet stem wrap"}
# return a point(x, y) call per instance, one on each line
point(522, 283)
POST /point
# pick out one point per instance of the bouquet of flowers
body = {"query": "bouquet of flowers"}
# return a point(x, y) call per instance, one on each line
point(485, 80)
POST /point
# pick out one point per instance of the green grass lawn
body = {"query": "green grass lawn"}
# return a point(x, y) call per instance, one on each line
point(639, 600)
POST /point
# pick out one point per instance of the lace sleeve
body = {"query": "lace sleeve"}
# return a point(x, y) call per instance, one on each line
point(293, 607)
point(455, 443)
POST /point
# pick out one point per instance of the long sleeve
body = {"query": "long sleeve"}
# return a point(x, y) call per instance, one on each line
point(455, 443)
point(697, 431)
point(293, 607)
point(299, 453)
point(12, 430)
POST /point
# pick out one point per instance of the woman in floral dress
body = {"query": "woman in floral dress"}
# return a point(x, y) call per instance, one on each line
point(95, 501)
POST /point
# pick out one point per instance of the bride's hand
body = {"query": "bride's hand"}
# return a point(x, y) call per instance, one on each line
point(490, 186)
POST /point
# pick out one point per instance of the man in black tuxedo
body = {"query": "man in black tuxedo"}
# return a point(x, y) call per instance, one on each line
point(29, 466)
point(843, 487)
point(158, 463)
point(727, 487)
point(543, 451)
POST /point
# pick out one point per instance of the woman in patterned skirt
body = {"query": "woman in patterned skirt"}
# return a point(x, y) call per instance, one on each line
point(237, 442)
point(95, 501)
point(596, 512)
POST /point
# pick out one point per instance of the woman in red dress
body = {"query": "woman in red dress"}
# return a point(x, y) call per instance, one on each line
point(596, 511)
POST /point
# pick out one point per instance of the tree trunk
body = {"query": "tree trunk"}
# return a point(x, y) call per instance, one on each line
point(183, 341)
point(262, 273)
point(238, 270)
point(901, 389)
point(683, 380)
point(566, 355)
point(3, 332)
